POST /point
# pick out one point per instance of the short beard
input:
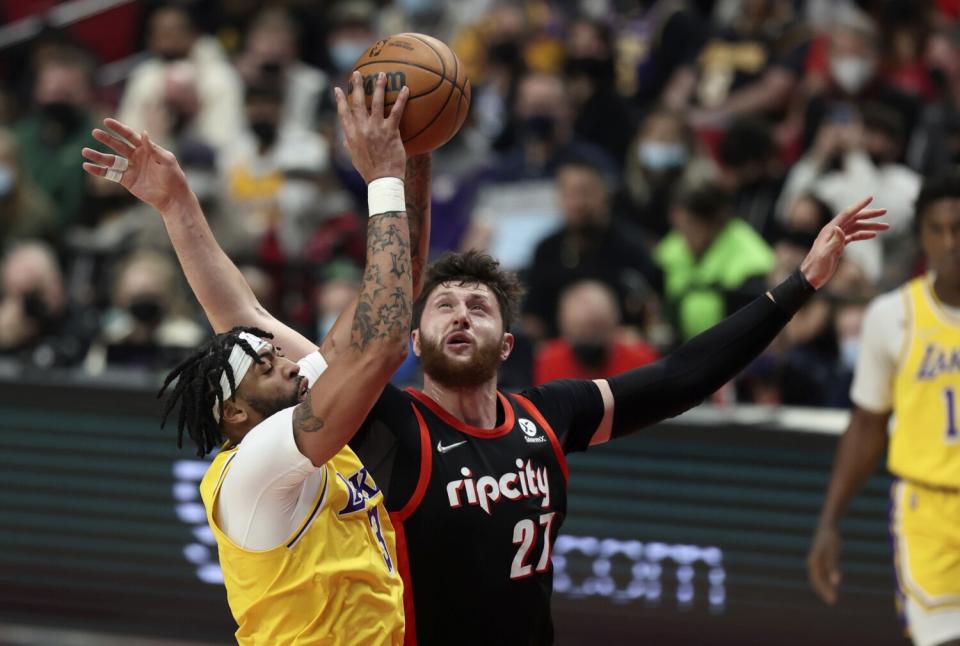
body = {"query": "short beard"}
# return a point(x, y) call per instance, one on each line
point(267, 407)
point(454, 374)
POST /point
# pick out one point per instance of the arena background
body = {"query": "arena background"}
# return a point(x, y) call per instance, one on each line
point(692, 532)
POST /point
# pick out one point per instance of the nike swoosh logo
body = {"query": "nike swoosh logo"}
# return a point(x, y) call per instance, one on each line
point(443, 449)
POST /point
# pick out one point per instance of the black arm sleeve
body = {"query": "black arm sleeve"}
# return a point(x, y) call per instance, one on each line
point(573, 407)
point(684, 378)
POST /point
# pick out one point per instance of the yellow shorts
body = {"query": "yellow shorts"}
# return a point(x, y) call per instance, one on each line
point(925, 525)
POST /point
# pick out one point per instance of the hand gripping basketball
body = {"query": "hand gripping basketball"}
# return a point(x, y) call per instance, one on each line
point(372, 138)
point(439, 88)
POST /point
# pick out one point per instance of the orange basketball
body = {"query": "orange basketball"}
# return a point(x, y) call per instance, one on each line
point(439, 88)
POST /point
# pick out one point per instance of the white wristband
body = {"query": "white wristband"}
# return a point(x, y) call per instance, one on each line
point(385, 195)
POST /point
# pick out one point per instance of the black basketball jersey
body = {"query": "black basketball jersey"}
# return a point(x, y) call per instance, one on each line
point(478, 531)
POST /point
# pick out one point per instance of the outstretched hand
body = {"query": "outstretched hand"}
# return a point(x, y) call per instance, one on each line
point(152, 173)
point(373, 139)
point(852, 224)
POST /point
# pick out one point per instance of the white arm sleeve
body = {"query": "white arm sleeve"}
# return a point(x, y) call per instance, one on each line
point(884, 328)
point(271, 485)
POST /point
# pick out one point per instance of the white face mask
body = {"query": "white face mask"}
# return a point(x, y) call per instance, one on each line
point(852, 73)
point(849, 351)
point(8, 179)
point(658, 157)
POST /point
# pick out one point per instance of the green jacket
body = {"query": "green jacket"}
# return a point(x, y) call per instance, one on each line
point(56, 170)
point(697, 290)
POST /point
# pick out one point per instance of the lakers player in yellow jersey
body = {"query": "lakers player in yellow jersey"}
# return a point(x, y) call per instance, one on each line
point(307, 550)
point(908, 369)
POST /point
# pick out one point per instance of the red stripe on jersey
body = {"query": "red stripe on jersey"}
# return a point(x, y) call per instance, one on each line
point(426, 466)
point(557, 449)
point(403, 566)
point(508, 417)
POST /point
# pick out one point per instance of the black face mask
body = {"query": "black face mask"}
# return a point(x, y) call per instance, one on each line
point(35, 307)
point(146, 311)
point(599, 70)
point(265, 132)
point(62, 114)
point(539, 127)
point(590, 355)
point(172, 57)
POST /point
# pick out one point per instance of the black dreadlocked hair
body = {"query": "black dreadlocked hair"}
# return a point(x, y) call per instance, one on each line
point(198, 387)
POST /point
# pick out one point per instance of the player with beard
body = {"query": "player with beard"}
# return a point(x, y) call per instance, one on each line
point(305, 545)
point(474, 478)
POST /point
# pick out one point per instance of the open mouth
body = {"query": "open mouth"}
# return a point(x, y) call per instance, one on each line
point(302, 391)
point(459, 340)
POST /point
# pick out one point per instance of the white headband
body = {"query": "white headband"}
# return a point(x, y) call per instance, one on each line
point(240, 363)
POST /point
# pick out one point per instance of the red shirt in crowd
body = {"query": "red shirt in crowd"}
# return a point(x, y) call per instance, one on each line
point(556, 360)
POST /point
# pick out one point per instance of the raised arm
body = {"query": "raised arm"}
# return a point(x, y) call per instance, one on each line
point(343, 395)
point(417, 187)
point(684, 378)
point(153, 175)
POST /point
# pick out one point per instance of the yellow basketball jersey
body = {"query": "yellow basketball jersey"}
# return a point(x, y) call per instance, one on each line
point(925, 446)
point(333, 581)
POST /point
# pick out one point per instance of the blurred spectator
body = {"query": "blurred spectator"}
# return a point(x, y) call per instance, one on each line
point(351, 33)
point(493, 55)
point(752, 172)
point(37, 325)
point(751, 66)
point(187, 90)
point(936, 142)
point(662, 157)
point(654, 39)
point(713, 262)
point(146, 325)
point(590, 245)
point(50, 138)
point(25, 212)
point(516, 205)
point(339, 286)
point(853, 78)
point(270, 176)
point(601, 117)
point(590, 345)
point(854, 159)
point(271, 49)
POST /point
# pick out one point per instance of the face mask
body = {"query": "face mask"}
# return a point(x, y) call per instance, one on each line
point(539, 127)
point(852, 73)
point(416, 7)
point(62, 113)
point(265, 132)
point(590, 355)
point(146, 310)
point(345, 53)
point(849, 351)
point(7, 180)
point(35, 307)
point(659, 157)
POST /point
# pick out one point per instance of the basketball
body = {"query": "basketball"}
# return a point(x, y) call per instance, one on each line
point(439, 88)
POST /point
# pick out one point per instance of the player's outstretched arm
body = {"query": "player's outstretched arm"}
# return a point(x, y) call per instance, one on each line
point(343, 395)
point(417, 187)
point(153, 175)
point(861, 447)
point(687, 376)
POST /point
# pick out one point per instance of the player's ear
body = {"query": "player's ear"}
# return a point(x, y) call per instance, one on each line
point(415, 335)
point(233, 413)
point(506, 346)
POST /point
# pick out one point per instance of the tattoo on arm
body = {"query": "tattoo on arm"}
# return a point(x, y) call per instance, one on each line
point(383, 307)
point(304, 421)
point(417, 182)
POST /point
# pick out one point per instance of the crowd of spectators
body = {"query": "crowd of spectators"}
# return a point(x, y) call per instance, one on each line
point(647, 166)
